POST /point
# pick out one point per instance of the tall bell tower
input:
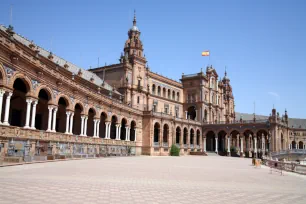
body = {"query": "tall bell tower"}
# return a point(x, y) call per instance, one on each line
point(136, 71)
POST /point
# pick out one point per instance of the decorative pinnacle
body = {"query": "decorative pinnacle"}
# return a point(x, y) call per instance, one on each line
point(225, 73)
point(134, 21)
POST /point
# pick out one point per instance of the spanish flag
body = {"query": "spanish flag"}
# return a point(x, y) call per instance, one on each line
point(205, 53)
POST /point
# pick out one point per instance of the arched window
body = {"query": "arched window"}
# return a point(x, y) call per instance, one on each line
point(158, 90)
point(173, 95)
point(166, 134)
point(178, 135)
point(153, 89)
point(164, 92)
point(169, 94)
point(156, 133)
point(178, 96)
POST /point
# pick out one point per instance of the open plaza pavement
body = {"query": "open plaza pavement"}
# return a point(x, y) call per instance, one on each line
point(143, 179)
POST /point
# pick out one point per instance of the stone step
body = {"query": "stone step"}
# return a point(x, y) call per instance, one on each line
point(212, 154)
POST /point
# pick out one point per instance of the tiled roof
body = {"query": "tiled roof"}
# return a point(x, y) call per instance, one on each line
point(295, 122)
point(87, 75)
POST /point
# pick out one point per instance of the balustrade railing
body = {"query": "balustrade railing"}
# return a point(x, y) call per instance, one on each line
point(234, 122)
point(156, 144)
point(165, 144)
point(291, 151)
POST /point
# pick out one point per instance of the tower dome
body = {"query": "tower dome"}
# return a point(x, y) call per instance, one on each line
point(134, 27)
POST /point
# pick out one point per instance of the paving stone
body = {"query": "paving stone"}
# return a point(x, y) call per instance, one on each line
point(189, 179)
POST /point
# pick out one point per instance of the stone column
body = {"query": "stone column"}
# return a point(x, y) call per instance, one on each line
point(98, 128)
point(95, 128)
point(204, 142)
point(263, 143)
point(33, 115)
point(241, 148)
point(127, 134)
point(49, 118)
point(186, 114)
point(216, 150)
point(7, 108)
point(1, 101)
point(228, 146)
point(85, 126)
point(106, 130)
point(109, 129)
point(67, 122)
point(29, 103)
point(71, 123)
point(117, 131)
point(82, 125)
point(135, 138)
point(54, 120)
point(255, 146)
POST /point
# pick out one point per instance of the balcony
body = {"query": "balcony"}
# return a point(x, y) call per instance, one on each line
point(155, 144)
point(165, 144)
point(139, 88)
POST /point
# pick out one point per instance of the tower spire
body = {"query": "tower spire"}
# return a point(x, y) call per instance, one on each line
point(134, 21)
point(225, 73)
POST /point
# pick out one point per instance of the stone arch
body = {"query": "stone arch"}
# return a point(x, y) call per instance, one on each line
point(198, 132)
point(78, 112)
point(293, 145)
point(133, 130)
point(61, 117)
point(166, 131)
point(114, 121)
point(159, 91)
point(185, 135)
point(47, 89)
point(191, 137)
point(41, 118)
point(18, 103)
point(123, 123)
point(300, 144)
point(178, 134)
point(153, 89)
point(3, 76)
point(64, 97)
point(222, 140)
point(103, 119)
point(90, 121)
point(25, 79)
point(164, 92)
point(156, 133)
point(210, 140)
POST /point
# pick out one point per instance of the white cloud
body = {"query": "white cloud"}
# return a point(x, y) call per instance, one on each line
point(273, 94)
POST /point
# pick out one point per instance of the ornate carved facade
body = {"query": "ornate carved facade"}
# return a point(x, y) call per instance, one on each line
point(49, 106)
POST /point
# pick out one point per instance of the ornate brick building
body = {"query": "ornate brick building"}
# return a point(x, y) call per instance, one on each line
point(51, 108)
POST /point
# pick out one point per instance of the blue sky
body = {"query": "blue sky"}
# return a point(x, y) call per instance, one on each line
point(262, 43)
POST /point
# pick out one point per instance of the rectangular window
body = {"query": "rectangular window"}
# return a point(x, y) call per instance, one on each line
point(138, 99)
